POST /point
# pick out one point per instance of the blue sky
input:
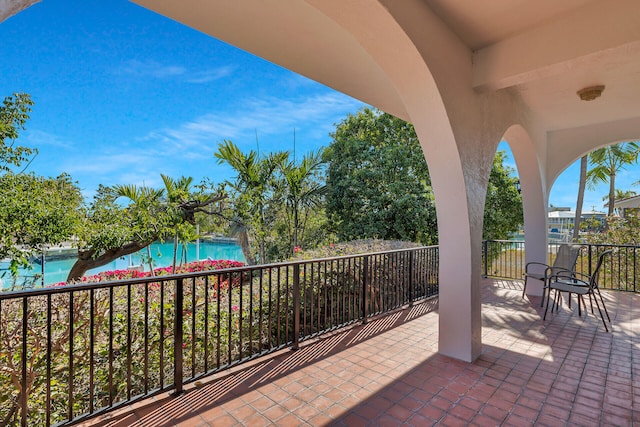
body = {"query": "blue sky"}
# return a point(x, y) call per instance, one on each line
point(123, 94)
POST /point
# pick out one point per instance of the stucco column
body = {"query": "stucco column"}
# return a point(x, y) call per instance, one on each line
point(459, 186)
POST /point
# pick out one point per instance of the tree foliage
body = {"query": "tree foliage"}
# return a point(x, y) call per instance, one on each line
point(607, 162)
point(14, 113)
point(35, 212)
point(378, 184)
point(112, 230)
point(302, 189)
point(276, 202)
point(503, 206)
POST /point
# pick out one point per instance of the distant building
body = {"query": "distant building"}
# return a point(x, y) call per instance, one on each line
point(561, 220)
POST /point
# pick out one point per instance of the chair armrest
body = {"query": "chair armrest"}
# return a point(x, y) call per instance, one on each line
point(541, 264)
point(552, 271)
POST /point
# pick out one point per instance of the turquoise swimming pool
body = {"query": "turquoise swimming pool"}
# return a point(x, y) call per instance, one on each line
point(57, 269)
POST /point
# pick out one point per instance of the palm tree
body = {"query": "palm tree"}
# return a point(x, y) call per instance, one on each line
point(300, 190)
point(178, 193)
point(582, 183)
point(607, 162)
point(254, 185)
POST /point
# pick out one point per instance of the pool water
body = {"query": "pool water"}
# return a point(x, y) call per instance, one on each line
point(57, 269)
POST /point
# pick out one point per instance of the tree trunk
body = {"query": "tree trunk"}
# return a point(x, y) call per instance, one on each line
point(581, 185)
point(243, 240)
point(295, 228)
point(150, 260)
point(86, 260)
point(612, 193)
point(175, 253)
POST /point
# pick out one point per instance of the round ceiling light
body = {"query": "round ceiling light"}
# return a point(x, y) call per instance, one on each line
point(590, 93)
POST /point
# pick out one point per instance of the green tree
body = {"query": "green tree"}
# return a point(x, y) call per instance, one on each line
point(252, 193)
point(14, 113)
point(111, 230)
point(607, 162)
point(503, 206)
point(36, 212)
point(303, 191)
point(378, 184)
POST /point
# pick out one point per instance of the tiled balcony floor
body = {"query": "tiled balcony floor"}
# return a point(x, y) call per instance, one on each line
point(566, 371)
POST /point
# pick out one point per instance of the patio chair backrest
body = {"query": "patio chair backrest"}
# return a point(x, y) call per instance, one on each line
point(567, 257)
point(593, 282)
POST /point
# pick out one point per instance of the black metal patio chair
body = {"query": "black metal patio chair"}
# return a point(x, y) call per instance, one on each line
point(566, 258)
point(580, 284)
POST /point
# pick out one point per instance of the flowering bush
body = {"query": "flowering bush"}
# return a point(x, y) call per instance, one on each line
point(192, 267)
point(130, 332)
point(352, 248)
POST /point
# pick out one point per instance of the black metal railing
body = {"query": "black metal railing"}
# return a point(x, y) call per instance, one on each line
point(621, 271)
point(70, 352)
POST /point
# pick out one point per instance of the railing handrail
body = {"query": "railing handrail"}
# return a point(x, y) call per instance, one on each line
point(74, 287)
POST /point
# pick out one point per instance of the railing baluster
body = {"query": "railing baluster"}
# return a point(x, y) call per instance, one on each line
point(92, 327)
point(48, 368)
point(296, 306)
point(206, 324)
point(178, 336)
point(192, 347)
point(129, 354)
point(23, 365)
point(145, 356)
point(162, 335)
point(71, 351)
point(110, 379)
point(365, 278)
point(250, 314)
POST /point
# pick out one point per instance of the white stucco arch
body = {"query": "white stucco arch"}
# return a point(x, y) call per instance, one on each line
point(534, 196)
point(408, 72)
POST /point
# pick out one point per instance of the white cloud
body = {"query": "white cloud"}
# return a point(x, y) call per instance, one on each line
point(265, 116)
point(211, 75)
point(150, 69)
point(154, 69)
point(38, 138)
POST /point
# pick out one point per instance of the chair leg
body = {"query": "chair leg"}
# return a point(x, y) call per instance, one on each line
point(580, 300)
point(601, 316)
point(556, 301)
point(547, 306)
point(524, 287)
point(603, 305)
